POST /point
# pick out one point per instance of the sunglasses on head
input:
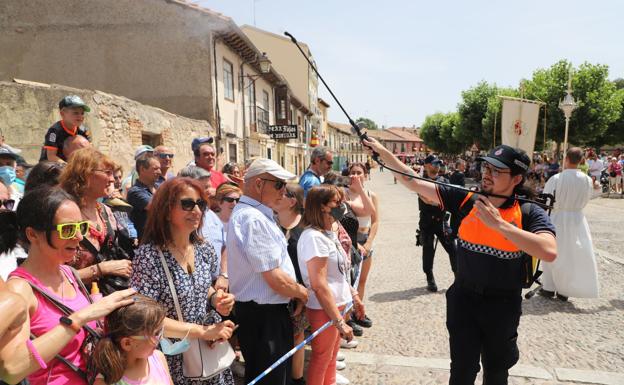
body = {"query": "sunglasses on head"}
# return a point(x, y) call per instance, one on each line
point(69, 230)
point(230, 199)
point(165, 156)
point(189, 204)
point(7, 203)
point(279, 184)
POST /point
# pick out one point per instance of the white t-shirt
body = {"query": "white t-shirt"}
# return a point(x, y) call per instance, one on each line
point(314, 243)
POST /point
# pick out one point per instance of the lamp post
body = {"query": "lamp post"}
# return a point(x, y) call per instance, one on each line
point(567, 105)
point(265, 67)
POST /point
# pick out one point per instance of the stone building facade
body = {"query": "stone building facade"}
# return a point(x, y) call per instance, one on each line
point(118, 125)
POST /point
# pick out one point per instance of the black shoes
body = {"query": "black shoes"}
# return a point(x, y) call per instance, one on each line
point(562, 297)
point(364, 322)
point(431, 283)
point(357, 330)
point(298, 381)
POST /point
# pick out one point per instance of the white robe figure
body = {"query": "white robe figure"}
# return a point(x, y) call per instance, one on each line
point(573, 273)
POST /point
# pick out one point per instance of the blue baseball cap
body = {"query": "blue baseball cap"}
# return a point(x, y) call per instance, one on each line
point(199, 141)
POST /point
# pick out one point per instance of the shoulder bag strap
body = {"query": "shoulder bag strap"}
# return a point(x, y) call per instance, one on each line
point(170, 282)
point(90, 248)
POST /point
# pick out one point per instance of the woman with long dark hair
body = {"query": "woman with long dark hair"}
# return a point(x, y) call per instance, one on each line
point(49, 222)
point(171, 233)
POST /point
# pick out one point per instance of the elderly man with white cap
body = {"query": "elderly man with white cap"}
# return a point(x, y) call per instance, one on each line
point(262, 277)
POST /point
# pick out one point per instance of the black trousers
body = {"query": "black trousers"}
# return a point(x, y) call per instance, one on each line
point(485, 327)
point(265, 334)
point(428, 232)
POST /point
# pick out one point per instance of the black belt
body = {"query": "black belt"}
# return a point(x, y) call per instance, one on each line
point(262, 305)
point(487, 291)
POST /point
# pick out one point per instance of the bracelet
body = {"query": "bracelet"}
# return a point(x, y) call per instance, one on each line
point(210, 300)
point(94, 271)
point(99, 269)
point(33, 351)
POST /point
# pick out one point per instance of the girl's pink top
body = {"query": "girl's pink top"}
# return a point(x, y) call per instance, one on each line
point(45, 318)
point(157, 374)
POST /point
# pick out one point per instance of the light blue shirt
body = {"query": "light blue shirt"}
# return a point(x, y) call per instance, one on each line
point(214, 232)
point(308, 180)
point(255, 244)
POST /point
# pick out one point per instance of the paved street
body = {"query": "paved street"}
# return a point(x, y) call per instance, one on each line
point(581, 340)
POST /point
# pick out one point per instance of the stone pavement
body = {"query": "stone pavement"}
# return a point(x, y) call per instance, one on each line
point(560, 342)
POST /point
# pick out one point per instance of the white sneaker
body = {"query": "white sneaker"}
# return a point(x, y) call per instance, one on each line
point(341, 380)
point(348, 345)
point(340, 365)
point(340, 356)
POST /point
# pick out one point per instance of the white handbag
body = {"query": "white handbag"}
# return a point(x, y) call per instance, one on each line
point(200, 361)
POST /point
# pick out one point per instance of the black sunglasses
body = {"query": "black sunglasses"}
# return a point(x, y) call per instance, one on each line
point(189, 204)
point(230, 199)
point(165, 156)
point(279, 184)
point(7, 203)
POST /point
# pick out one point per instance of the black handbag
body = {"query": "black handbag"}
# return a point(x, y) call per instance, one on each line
point(110, 251)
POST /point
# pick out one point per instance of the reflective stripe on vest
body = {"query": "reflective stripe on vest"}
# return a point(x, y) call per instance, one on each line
point(475, 236)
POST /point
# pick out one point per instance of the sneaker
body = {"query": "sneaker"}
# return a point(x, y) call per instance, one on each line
point(340, 356)
point(340, 365)
point(364, 322)
point(348, 345)
point(341, 380)
point(357, 330)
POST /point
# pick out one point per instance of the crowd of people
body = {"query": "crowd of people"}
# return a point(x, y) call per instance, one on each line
point(116, 277)
point(163, 277)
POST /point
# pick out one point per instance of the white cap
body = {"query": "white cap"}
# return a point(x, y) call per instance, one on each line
point(263, 165)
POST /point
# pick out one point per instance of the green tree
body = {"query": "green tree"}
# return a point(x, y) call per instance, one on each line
point(598, 102)
point(438, 133)
point(368, 123)
point(472, 111)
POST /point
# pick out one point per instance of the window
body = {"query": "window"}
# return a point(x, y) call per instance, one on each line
point(228, 80)
point(251, 97)
point(149, 139)
point(282, 111)
point(265, 100)
point(233, 152)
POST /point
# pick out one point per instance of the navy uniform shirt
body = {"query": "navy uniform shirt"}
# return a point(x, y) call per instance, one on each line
point(55, 137)
point(478, 265)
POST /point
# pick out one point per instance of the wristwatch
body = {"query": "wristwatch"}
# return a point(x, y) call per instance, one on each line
point(67, 322)
point(224, 275)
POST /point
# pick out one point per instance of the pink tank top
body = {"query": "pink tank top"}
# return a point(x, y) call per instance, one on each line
point(45, 318)
point(157, 374)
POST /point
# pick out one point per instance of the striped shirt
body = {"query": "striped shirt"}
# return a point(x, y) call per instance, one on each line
point(255, 244)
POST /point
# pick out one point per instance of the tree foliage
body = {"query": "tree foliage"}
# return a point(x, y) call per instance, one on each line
point(368, 123)
point(598, 119)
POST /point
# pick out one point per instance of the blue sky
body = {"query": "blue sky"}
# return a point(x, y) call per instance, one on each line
point(399, 61)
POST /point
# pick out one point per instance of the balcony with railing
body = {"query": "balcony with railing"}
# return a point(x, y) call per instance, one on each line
point(259, 119)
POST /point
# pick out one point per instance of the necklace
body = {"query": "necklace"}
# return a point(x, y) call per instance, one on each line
point(184, 255)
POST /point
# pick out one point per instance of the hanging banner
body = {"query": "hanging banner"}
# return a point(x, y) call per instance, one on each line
point(519, 123)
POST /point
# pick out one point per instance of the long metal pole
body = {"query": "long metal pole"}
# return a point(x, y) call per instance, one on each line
point(565, 137)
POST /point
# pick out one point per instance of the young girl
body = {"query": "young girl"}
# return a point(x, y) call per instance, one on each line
point(127, 354)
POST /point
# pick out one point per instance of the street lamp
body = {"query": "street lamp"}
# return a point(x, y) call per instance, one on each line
point(567, 105)
point(265, 67)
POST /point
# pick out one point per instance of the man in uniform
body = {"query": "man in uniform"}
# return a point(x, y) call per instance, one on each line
point(430, 225)
point(72, 110)
point(484, 302)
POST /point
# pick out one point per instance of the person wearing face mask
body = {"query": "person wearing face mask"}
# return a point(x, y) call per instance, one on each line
point(262, 276)
point(8, 163)
point(430, 225)
point(325, 268)
point(174, 258)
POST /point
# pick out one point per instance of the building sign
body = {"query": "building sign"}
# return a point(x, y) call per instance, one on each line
point(283, 131)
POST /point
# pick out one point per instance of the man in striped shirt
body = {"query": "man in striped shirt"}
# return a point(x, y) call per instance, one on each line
point(262, 277)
